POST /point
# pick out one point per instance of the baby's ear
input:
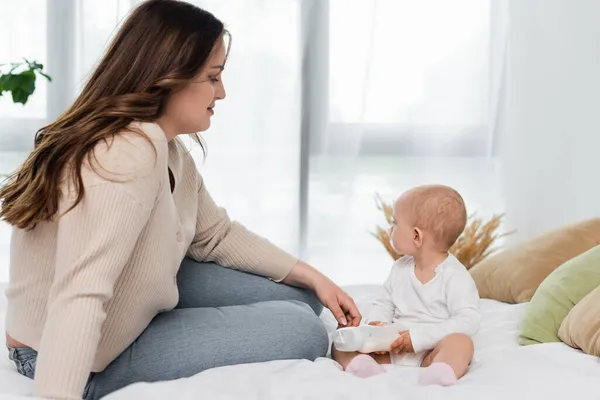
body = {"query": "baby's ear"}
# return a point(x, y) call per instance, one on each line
point(417, 237)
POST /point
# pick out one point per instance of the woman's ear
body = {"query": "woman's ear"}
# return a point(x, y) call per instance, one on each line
point(417, 237)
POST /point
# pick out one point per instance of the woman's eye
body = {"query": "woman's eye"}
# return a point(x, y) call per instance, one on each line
point(214, 80)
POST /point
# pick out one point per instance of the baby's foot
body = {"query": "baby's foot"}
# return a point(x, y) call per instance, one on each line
point(364, 366)
point(437, 374)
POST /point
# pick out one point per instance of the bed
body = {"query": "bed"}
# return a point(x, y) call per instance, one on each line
point(501, 369)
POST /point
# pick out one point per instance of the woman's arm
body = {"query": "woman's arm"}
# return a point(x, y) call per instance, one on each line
point(230, 244)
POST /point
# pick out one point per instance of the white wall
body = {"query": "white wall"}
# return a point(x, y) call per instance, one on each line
point(550, 139)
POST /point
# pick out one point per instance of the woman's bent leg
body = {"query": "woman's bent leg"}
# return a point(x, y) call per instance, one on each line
point(210, 285)
point(183, 342)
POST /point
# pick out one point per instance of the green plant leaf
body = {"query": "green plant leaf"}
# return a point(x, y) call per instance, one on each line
point(45, 76)
point(20, 96)
point(27, 81)
point(10, 82)
point(3, 79)
point(22, 84)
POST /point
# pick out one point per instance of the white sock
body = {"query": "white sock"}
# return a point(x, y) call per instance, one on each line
point(364, 366)
point(438, 373)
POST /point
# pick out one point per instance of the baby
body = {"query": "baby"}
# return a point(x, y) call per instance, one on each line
point(429, 301)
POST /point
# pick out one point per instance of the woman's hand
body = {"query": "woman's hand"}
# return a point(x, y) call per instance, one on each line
point(339, 302)
point(329, 294)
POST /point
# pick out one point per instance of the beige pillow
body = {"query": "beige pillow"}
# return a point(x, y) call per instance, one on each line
point(513, 275)
point(581, 327)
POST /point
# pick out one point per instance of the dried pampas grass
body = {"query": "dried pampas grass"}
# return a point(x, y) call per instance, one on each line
point(473, 246)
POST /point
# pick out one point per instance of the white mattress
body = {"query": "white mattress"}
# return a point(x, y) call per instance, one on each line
point(501, 370)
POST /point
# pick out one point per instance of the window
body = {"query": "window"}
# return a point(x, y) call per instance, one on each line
point(407, 89)
point(23, 35)
point(67, 37)
point(328, 103)
point(405, 75)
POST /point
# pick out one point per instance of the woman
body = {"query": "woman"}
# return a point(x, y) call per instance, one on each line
point(114, 232)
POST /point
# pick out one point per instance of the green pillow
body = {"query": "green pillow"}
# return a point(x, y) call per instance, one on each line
point(557, 294)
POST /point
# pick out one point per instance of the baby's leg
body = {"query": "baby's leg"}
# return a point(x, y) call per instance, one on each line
point(361, 365)
point(449, 360)
point(343, 357)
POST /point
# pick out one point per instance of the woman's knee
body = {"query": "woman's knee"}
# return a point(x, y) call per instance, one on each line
point(304, 333)
point(314, 303)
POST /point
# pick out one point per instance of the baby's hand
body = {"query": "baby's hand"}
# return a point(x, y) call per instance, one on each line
point(403, 344)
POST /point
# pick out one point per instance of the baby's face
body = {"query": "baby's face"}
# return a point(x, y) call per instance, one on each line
point(403, 231)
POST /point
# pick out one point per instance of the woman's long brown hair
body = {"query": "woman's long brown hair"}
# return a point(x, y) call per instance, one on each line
point(160, 48)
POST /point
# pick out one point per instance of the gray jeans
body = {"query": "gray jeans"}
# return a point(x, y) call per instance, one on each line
point(224, 317)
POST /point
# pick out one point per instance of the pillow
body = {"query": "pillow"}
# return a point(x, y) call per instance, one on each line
point(581, 327)
point(557, 295)
point(513, 275)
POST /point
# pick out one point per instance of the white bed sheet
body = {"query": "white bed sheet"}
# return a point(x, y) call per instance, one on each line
point(501, 370)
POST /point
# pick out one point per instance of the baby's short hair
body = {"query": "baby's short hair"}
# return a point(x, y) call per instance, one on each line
point(440, 210)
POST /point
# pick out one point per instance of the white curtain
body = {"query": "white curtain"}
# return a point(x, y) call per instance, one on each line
point(550, 140)
point(387, 94)
point(253, 165)
point(23, 26)
point(410, 103)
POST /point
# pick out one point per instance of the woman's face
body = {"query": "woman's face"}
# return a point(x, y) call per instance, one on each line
point(190, 109)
